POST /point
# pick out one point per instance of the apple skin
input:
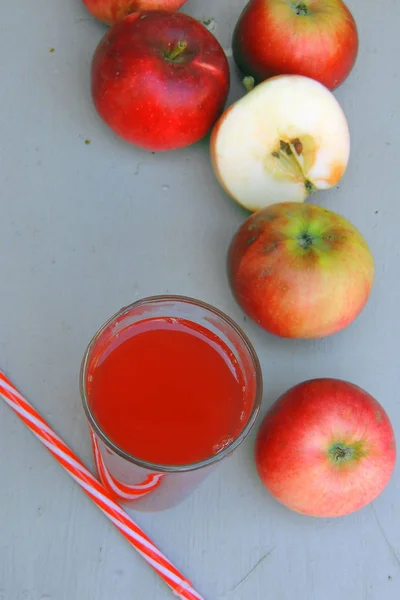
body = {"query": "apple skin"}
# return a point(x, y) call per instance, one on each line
point(326, 448)
point(111, 11)
point(155, 102)
point(300, 270)
point(271, 39)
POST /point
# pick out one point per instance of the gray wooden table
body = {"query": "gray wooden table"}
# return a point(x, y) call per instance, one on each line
point(88, 228)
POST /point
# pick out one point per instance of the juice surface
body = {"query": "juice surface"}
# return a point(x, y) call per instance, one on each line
point(168, 391)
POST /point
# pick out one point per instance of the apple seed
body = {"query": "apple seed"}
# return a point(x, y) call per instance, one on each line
point(290, 162)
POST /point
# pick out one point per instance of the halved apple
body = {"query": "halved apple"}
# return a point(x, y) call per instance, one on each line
point(285, 139)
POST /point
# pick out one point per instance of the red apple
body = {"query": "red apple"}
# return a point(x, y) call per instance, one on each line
point(300, 270)
point(111, 11)
point(315, 38)
point(326, 448)
point(160, 80)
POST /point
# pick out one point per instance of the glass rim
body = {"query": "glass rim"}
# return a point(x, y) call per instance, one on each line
point(190, 466)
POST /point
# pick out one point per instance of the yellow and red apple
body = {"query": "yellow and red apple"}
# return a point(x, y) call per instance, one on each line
point(300, 270)
point(286, 138)
point(111, 11)
point(326, 448)
point(315, 38)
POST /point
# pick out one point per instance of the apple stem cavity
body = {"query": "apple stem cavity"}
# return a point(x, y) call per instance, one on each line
point(249, 83)
point(301, 9)
point(177, 51)
point(340, 453)
point(306, 240)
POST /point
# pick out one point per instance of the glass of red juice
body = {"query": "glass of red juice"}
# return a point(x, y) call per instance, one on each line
point(170, 386)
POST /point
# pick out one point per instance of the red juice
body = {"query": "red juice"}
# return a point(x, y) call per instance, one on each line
point(168, 391)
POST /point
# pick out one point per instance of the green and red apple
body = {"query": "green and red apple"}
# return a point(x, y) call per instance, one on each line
point(326, 448)
point(315, 38)
point(285, 139)
point(300, 270)
point(111, 11)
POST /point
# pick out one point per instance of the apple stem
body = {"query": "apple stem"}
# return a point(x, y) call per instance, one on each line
point(249, 83)
point(309, 186)
point(300, 9)
point(179, 48)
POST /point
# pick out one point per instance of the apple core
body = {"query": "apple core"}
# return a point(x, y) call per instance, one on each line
point(292, 158)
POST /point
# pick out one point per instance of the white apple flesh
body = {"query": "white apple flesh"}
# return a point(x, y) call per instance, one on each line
point(285, 139)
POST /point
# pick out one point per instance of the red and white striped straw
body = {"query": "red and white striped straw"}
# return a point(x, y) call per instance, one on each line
point(180, 586)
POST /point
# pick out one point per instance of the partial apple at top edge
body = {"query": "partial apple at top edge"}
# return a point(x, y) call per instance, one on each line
point(111, 11)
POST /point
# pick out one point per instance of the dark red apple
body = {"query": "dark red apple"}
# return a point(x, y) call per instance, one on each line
point(160, 80)
point(315, 38)
point(326, 448)
point(111, 11)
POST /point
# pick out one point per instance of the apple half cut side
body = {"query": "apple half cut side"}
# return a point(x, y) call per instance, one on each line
point(285, 139)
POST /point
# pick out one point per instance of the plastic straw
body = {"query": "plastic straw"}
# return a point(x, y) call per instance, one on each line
point(180, 586)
